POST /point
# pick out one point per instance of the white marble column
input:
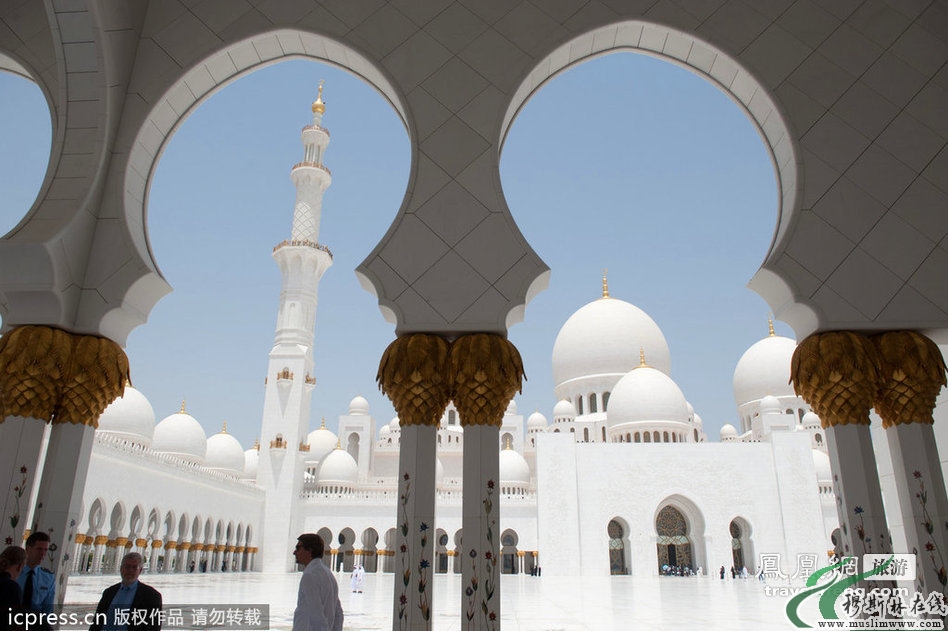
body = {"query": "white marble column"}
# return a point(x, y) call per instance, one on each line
point(21, 446)
point(920, 484)
point(480, 569)
point(414, 528)
point(859, 496)
point(59, 502)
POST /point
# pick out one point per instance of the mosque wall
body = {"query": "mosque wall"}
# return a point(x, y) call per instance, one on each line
point(582, 487)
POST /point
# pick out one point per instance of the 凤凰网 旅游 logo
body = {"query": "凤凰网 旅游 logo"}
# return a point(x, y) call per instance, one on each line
point(831, 590)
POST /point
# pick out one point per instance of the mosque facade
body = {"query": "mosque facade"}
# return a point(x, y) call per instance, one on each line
point(624, 478)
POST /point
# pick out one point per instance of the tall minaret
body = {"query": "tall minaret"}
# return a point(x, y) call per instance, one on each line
point(290, 380)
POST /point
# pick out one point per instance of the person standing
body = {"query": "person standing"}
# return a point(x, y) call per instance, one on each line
point(357, 581)
point(317, 605)
point(38, 583)
point(130, 605)
point(12, 561)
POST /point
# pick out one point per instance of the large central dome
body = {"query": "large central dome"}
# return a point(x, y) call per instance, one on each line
point(605, 337)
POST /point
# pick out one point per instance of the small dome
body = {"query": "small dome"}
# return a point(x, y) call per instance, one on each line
point(646, 394)
point(770, 404)
point(130, 416)
point(359, 406)
point(395, 424)
point(224, 453)
point(251, 461)
point(385, 430)
point(728, 432)
point(181, 435)
point(822, 463)
point(512, 407)
point(564, 409)
point(338, 468)
point(696, 419)
point(764, 369)
point(691, 409)
point(605, 337)
point(536, 421)
point(514, 470)
point(811, 420)
point(321, 442)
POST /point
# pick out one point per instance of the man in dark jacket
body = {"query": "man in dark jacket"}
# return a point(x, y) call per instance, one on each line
point(130, 605)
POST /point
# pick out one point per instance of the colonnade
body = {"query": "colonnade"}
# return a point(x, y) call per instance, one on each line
point(98, 554)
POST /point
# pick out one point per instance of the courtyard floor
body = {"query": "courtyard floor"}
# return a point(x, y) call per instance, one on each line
point(527, 603)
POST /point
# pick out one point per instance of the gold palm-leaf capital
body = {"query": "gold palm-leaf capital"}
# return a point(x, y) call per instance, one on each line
point(912, 373)
point(485, 371)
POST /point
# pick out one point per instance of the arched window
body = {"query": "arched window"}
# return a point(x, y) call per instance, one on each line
point(593, 404)
point(617, 556)
point(674, 546)
point(819, 439)
point(579, 405)
point(789, 411)
point(605, 401)
point(585, 434)
point(638, 437)
point(655, 436)
point(674, 437)
point(648, 437)
point(452, 417)
point(665, 437)
point(603, 433)
point(696, 435)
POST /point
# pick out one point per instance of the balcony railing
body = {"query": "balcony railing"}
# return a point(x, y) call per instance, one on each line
point(313, 165)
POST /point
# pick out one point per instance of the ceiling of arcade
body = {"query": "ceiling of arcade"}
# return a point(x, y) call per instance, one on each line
point(851, 97)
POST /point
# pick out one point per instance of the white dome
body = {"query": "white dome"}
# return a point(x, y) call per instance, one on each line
point(513, 468)
point(224, 453)
point(728, 431)
point(359, 406)
point(536, 421)
point(512, 407)
point(394, 424)
point(130, 416)
point(321, 442)
point(338, 468)
point(181, 435)
point(605, 337)
point(822, 463)
point(564, 408)
point(810, 419)
point(646, 394)
point(696, 419)
point(770, 404)
point(385, 430)
point(251, 461)
point(764, 369)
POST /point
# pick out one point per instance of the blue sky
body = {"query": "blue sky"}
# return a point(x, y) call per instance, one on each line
point(625, 162)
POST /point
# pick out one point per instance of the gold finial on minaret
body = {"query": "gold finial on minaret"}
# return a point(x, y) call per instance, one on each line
point(770, 322)
point(256, 443)
point(224, 428)
point(605, 283)
point(182, 410)
point(318, 105)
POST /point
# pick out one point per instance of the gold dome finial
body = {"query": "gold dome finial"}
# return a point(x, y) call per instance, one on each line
point(318, 105)
point(605, 283)
point(642, 357)
point(770, 322)
point(128, 382)
point(182, 410)
point(322, 425)
point(256, 443)
point(224, 428)
point(339, 444)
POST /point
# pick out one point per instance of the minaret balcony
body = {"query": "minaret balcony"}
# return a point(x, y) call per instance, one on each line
point(311, 165)
point(303, 243)
point(315, 128)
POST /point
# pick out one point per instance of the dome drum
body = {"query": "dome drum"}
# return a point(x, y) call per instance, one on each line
point(676, 432)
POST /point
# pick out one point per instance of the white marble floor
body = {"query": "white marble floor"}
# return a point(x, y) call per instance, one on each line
point(528, 603)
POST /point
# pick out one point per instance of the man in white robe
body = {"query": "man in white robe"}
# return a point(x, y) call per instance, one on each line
point(317, 606)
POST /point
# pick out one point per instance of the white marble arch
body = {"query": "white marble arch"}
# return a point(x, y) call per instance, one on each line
point(696, 532)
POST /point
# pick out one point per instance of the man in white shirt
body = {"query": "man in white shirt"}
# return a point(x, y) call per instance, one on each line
point(317, 606)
